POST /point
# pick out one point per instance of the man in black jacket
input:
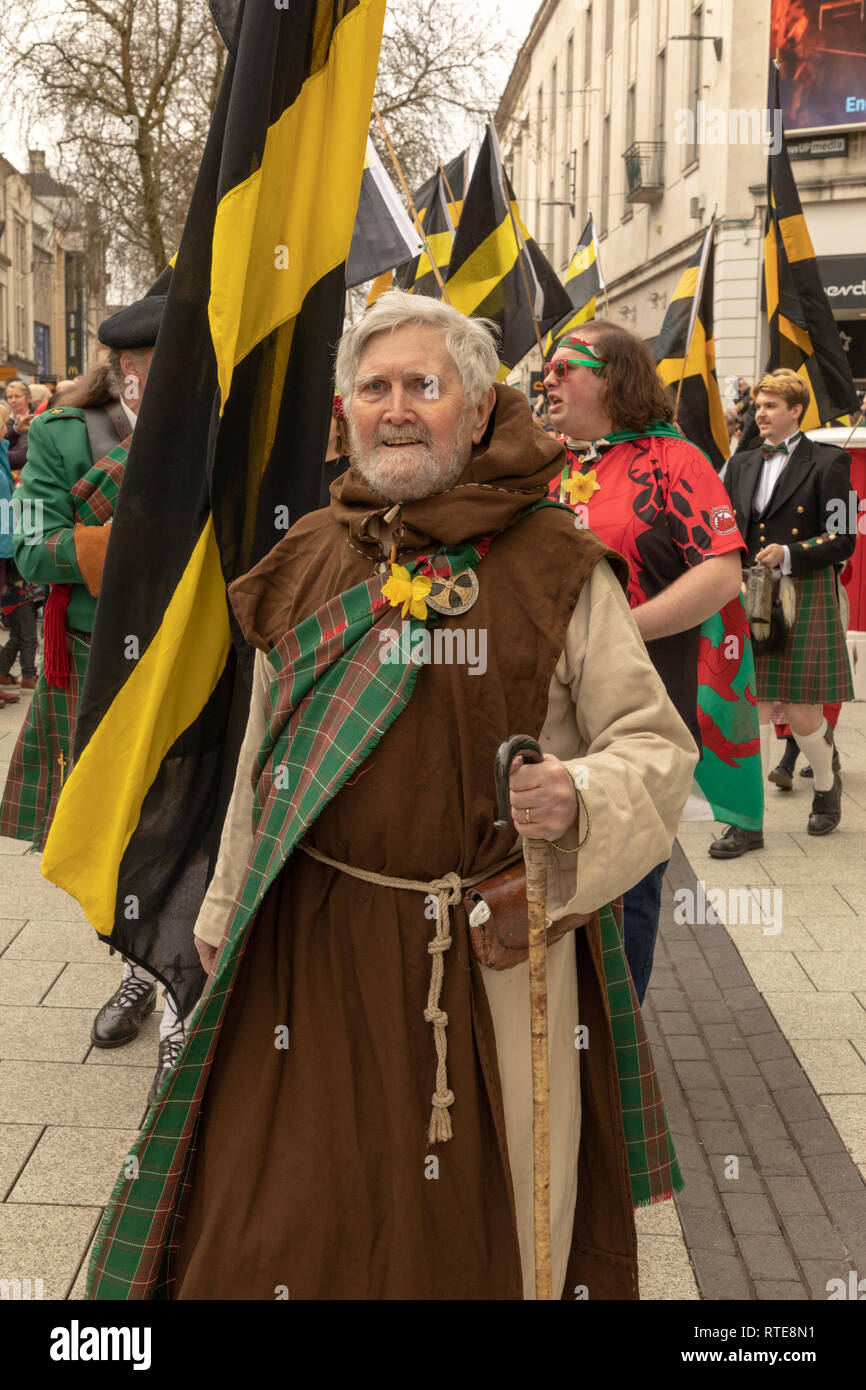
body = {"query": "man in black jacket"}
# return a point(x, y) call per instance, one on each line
point(787, 496)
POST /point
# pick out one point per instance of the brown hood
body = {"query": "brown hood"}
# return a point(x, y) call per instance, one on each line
point(510, 469)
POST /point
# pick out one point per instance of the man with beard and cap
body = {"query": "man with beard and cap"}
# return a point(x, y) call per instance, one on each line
point(357, 1081)
point(70, 483)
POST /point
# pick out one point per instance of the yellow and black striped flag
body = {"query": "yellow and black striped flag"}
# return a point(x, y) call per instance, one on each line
point(226, 454)
point(583, 283)
point(485, 278)
point(418, 276)
point(455, 175)
point(456, 179)
point(685, 350)
point(803, 335)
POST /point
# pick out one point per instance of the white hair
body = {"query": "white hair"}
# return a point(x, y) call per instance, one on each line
point(470, 342)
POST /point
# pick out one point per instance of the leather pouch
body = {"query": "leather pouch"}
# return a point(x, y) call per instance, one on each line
point(500, 931)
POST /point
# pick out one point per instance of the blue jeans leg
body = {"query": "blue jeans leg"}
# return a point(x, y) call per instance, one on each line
point(641, 907)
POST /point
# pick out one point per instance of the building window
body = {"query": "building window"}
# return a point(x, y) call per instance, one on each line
point(554, 103)
point(584, 185)
point(691, 151)
point(608, 26)
point(569, 75)
point(587, 50)
point(540, 119)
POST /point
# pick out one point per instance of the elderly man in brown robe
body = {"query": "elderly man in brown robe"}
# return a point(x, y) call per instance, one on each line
point(316, 1171)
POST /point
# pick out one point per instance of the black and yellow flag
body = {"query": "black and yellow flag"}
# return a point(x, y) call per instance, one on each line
point(455, 175)
point(485, 279)
point(418, 277)
point(226, 454)
point(685, 351)
point(583, 284)
point(803, 334)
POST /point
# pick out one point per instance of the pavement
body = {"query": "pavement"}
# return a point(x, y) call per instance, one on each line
point(756, 1010)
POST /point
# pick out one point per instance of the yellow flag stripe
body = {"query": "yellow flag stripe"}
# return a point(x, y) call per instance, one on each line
point(796, 239)
point(687, 287)
point(771, 271)
point(383, 282)
point(583, 259)
point(481, 272)
point(165, 692)
point(265, 258)
point(440, 244)
point(796, 334)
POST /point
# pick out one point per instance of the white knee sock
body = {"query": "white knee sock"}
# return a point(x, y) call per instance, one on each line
point(137, 973)
point(820, 755)
point(764, 732)
point(170, 1022)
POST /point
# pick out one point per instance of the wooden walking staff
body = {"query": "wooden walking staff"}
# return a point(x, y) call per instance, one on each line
point(413, 211)
point(535, 854)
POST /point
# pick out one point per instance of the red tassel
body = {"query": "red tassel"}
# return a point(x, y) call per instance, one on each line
point(55, 658)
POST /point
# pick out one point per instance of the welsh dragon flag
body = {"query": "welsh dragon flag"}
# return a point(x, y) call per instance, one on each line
point(728, 779)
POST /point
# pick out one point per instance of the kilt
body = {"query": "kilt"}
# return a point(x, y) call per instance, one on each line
point(35, 775)
point(813, 667)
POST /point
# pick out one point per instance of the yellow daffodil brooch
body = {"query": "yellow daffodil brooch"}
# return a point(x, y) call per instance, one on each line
point(581, 486)
point(407, 589)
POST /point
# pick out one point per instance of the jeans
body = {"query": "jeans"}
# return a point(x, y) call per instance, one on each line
point(21, 623)
point(641, 907)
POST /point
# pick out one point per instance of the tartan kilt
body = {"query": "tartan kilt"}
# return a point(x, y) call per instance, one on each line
point(35, 776)
point(813, 667)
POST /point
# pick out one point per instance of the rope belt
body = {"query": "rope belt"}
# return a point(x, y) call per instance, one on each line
point(448, 891)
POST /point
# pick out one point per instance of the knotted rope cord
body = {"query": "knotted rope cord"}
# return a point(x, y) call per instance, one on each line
point(448, 891)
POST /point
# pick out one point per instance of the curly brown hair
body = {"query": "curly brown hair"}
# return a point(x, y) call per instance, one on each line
point(633, 391)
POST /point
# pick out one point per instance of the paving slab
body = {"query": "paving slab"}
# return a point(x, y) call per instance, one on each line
point(62, 1093)
point(73, 1166)
point(44, 1035)
point(45, 1242)
point(16, 1144)
point(27, 981)
point(55, 940)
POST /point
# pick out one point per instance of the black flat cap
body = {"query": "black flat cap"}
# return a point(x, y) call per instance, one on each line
point(137, 325)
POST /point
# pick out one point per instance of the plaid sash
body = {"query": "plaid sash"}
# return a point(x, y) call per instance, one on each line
point(331, 702)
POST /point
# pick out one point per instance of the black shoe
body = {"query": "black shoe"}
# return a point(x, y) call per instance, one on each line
point(782, 775)
point(736, 841)
point(121, 1017)
point(170, 1049)
point(837, 765)
point(826, 809)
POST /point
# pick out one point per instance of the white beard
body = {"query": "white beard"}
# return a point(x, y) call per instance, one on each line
point(406, 475)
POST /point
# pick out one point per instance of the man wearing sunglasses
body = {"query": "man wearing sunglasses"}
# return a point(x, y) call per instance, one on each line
point(650, 494)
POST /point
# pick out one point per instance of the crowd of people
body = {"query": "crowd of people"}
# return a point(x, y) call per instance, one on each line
point(593, 628)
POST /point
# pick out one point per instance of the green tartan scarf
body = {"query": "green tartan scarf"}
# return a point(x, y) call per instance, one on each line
point(332, 700)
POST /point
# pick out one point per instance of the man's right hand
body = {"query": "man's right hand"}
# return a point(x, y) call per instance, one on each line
point(207, 954)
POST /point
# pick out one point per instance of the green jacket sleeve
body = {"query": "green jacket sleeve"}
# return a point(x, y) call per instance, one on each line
point(58, 454)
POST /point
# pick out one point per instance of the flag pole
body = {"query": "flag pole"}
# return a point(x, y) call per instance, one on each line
point(854, 428)
point(446, 183)
point(598, 263)
point(699, 290)
point(519, 240)
point(412, 208)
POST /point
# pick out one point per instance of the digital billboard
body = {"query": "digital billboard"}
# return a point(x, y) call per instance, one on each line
point(822, 56)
